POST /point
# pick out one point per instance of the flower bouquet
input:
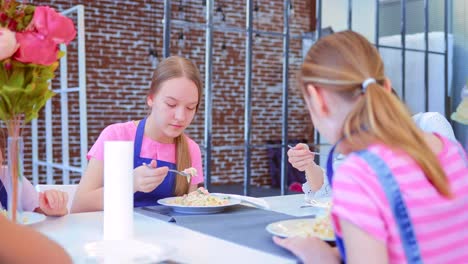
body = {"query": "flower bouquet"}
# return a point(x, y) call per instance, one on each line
point(29, 55)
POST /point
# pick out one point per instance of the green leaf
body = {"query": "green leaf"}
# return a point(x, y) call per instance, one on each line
point(26, 90)
point(17, 78)
point(29, 9)
point(3, 75)
point(60, 54)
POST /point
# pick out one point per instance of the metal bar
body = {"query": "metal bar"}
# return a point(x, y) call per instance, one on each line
point(403, 50)
point(426, 55)
point(248, 96)
point(71, 10)
point(447, 98)
point(284, 128)
point(49, 145)
point(410, 49)
point(269, 33)
point(208, 92)
point(318, 36)
point(59, 166)
point(224, 28)
point(258, 146)
point(74, 89)
point(318, 29)
point(350, 14)
point(167, 29)
point(64, 114)
point(82, 84)
point(377, 23)
point(35, 152)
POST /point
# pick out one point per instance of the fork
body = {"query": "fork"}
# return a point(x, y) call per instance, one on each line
point(171, 170)
point(315, 203)
point(311, 203)
point(181, 173)
point(313, 152)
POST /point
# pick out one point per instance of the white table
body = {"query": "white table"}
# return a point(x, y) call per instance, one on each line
point(75, 230)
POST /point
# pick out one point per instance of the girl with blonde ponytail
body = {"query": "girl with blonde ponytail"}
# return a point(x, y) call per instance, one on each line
point(401, 195)
point(159, 141)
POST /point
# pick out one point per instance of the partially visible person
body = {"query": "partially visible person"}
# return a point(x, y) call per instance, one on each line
point(401, 194)
point(317, 187)
point(50, 202)
point(21, 244)
point(159, 140)
point(434, 122)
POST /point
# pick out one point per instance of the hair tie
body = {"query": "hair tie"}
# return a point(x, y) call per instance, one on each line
point(366, 82)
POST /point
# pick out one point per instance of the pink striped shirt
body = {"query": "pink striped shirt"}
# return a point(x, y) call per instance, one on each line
point(441, 225)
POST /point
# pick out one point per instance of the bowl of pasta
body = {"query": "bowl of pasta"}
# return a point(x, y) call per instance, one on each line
point(199, 202)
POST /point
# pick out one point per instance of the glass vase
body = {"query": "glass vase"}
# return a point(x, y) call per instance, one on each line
point(14, 178)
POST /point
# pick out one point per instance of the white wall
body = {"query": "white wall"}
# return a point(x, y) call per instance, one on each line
point(335, 14)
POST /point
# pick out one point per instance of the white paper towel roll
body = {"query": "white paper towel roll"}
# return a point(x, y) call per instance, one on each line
point(118, 190)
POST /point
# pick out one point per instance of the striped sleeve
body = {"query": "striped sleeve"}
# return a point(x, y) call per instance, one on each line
point(355, 200)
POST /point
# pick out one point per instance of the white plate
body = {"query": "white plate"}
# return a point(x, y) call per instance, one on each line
point(27, 218)
point(199, 209)
point(295, 227)
point(30, 218)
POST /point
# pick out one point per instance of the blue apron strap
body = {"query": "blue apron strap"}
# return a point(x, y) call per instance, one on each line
point(3, 196)
point(397, 205)
point(140, 132)
point(330, 164)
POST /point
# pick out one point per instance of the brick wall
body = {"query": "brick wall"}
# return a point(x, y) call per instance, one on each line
point(118, 37)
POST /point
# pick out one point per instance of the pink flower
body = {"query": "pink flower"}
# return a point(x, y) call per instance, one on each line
point(52, 25)
point(35, 48)
point(8, 44)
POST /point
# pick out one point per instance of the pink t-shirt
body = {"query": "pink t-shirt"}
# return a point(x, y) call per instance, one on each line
point(440, 225)
point(150, 149)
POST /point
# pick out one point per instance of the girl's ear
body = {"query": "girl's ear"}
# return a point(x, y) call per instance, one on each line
point(149, 100)
point(387, 85)
point(316, 100)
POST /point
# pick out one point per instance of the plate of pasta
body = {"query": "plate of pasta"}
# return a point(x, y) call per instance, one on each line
point(199, 202)
point(320, 227)
point(27, 218)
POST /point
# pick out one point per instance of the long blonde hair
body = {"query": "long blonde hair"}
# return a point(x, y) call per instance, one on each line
point(341, 62)
point(170, 68)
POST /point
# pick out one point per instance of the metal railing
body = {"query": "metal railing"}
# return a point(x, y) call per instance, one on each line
point(209, 28)
point(64, 90)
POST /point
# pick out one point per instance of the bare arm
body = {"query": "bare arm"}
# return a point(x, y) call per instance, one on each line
point(38, 249)
point(310, 249)
point(362, 247)
point(302, 159)
point(315, 177)
point(90, 193)
point(53, 203)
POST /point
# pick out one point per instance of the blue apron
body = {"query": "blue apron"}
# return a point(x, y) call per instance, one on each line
point(166, 188)
point(3, 196)
point(397, 205)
